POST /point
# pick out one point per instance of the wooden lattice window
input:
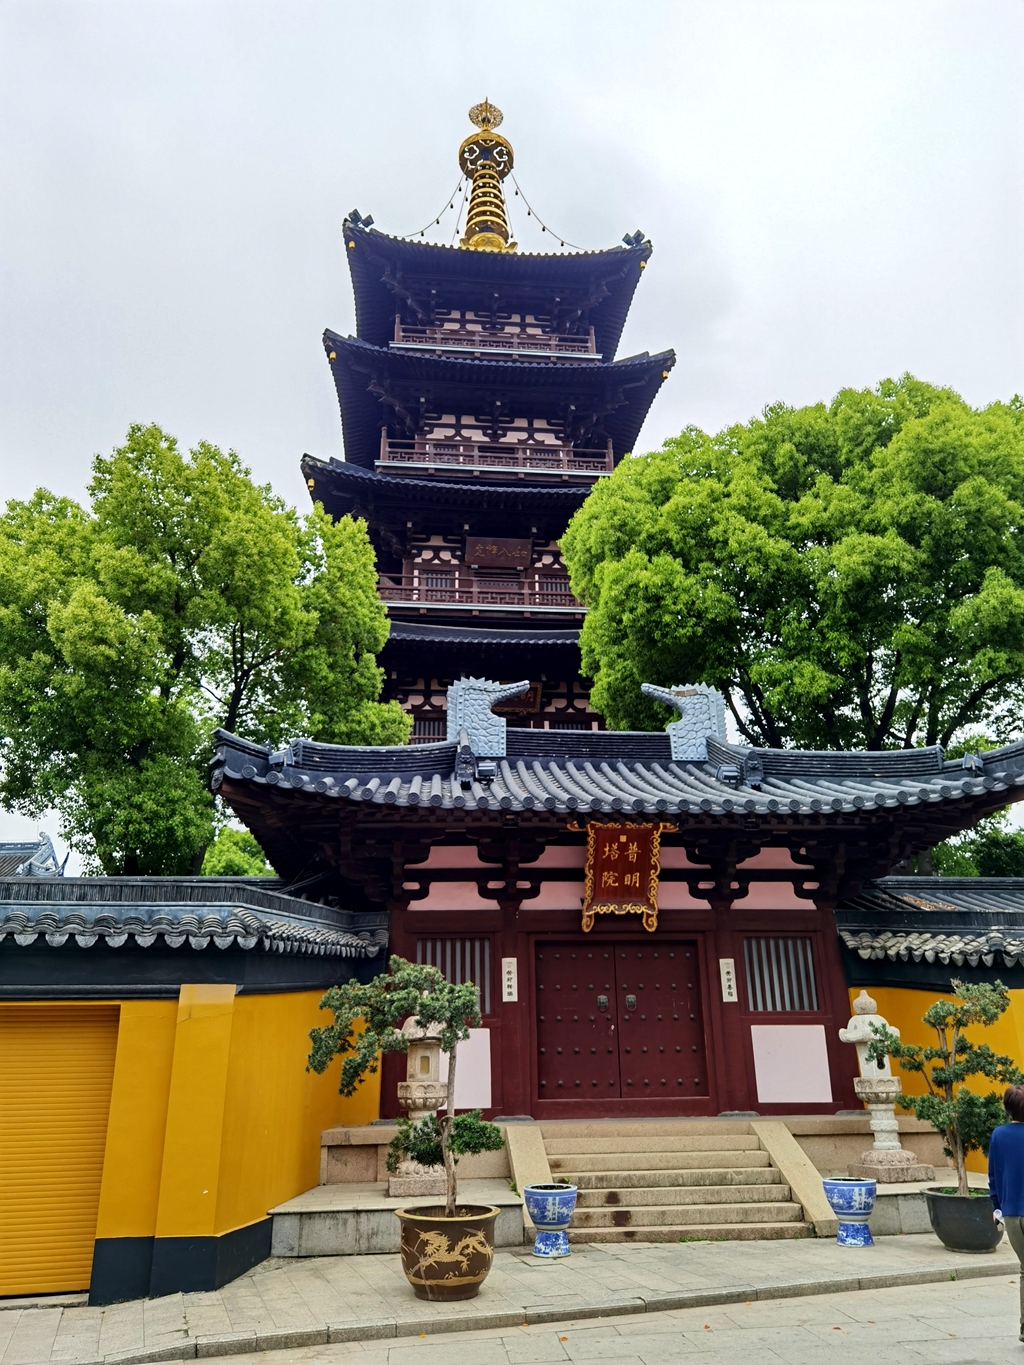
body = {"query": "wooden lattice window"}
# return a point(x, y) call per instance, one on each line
point(428, 730)
point(460, 959)
point(780, 975)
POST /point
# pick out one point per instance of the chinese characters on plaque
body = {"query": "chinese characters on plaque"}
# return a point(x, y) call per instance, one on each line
point(622, 872)
point(492, 552)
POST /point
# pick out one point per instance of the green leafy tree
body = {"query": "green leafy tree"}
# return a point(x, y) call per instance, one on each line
point(964, 1118)
point(184, 597)
point(849, 575)
point(366, 1024)
point(235, 853)
point(991, 849)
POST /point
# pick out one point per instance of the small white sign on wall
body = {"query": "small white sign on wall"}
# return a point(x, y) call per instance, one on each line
point(727, 971)
point(509, 980)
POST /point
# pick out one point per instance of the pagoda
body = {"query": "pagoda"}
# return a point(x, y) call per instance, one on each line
point(481, 399)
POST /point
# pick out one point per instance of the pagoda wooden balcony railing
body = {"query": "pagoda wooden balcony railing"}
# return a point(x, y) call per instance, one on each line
point(464, 590)
point(498, 457)
point(513, 338)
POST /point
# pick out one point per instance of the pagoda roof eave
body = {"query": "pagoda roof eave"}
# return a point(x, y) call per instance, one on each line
point(380, 265)
point(386, 499)
point(363, 372)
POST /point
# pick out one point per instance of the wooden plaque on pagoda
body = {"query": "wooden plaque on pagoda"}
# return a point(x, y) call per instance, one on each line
point(623, 863)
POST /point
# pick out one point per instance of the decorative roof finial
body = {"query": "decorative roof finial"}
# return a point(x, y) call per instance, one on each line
point(486, 158)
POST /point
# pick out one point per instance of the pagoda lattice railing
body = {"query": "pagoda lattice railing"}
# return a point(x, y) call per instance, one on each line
point(514, 337)
point(497, 456)
point(464, 589)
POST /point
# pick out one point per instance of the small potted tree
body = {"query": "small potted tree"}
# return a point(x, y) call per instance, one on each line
point(446, 1251)
point(961, 1217)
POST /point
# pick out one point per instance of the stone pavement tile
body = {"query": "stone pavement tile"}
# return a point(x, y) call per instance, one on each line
point(205, 1314)
point(122, 1328)
point(272, 1302)
point(9, 1320)
point(322, 1300)
point(535, 1349)
point(33, 1337)
point(440, 1353)
point(78, 1335)
point(999, 1350)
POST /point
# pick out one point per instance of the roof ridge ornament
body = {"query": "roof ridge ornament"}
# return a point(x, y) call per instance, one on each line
point(471, 719)
point(702, 716)
point(486, 158)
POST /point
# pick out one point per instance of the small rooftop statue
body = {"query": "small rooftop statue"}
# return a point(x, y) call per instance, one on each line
point(886, 1161)
point(702, 713)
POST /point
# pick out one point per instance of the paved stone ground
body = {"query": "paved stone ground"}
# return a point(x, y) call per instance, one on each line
point(967, 1323)
point(291, 1304)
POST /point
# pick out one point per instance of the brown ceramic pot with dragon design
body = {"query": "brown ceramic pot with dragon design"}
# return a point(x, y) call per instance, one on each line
point(447, 1258)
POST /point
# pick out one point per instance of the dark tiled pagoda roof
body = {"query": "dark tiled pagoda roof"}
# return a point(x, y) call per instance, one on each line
point(387, 270)
point(440, 505)
point(499, 637)
point(197, 913)
point(567, 771)
point(950, 921)
point(621, 393)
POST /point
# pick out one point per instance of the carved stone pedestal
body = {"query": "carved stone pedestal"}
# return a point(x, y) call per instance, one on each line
point(886, 1161)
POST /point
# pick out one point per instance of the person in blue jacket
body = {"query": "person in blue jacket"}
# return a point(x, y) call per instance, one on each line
point(1006, 1178)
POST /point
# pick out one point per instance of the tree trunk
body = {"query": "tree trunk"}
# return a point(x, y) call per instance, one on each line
point(962, 1187)
point(451, 1180)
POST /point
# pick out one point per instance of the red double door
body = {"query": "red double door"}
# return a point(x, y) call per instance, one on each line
point(619, 1021)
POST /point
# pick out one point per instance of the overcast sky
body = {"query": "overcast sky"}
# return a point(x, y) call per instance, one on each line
point(833, 189)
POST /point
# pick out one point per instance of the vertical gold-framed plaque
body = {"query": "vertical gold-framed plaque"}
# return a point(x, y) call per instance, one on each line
point(623, 863)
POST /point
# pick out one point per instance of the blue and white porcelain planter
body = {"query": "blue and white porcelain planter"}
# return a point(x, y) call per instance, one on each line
point(852, 1202)
point(550, 1208)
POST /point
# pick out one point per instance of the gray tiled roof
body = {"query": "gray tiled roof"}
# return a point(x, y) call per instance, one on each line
point(562, 770)
point(952, 920)
point(199, 912)
point(32, 858)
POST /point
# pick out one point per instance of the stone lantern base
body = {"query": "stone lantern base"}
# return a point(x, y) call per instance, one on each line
point(414, 1180)
point(886, 1161)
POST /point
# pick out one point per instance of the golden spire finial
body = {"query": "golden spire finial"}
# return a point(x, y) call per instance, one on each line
point(486, 158)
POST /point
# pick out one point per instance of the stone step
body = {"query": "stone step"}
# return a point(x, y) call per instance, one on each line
point(712, 1232)
point(681, 1142)
point(655, 1161)
point(685, 1194)
point(694, 1215)
point(642, 1179)
point(643, 1128)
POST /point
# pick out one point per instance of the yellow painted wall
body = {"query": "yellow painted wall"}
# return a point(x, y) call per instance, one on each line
point(138, 1117)
point(214, 1118)
point(275, 1110)
point(903, 1009)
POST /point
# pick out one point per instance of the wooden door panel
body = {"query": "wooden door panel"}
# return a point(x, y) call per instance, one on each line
point(577, 1038)
point(661, 1029)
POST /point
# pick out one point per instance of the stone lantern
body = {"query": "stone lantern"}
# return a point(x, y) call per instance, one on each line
point(886, 1161)
point(421, 1095)
point(423, 1092)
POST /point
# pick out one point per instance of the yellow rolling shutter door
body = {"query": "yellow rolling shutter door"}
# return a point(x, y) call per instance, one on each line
point(56, 1070)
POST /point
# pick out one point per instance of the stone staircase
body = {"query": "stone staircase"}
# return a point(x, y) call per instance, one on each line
point(668, 1182)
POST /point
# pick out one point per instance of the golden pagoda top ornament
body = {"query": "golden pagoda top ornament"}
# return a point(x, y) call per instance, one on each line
point(486, 158)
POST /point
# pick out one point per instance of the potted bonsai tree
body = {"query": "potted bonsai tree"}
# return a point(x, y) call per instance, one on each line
point(446, 1251)
point(961, 1218)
